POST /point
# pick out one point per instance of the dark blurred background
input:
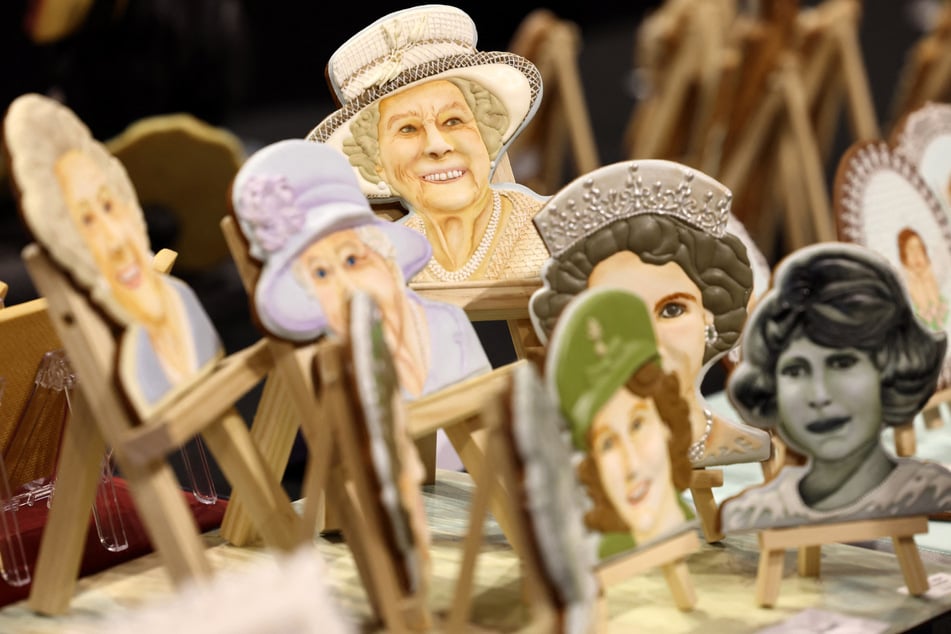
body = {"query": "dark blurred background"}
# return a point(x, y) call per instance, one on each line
point(256, 68)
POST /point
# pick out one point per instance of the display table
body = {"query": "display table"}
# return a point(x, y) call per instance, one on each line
point(855, 581)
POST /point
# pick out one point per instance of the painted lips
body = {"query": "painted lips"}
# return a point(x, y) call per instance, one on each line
point(639, 493)
point(827, 425)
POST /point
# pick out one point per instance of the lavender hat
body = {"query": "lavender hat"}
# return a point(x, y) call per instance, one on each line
point(289, 195)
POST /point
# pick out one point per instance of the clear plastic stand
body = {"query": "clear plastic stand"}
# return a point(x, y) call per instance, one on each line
point(199, 473)
point(42, 422)
point(13, 564)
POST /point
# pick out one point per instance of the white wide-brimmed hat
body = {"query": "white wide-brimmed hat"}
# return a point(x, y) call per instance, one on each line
point(413, 46)
point(287, 196)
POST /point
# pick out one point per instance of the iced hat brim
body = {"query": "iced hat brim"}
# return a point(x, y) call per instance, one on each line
point(512, 78)
point(287, 309)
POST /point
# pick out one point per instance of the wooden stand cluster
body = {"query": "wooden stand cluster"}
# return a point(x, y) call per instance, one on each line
point(754, 101)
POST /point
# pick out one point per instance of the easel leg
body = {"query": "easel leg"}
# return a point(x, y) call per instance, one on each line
point(906, 550)
point(681, 587)
point(808, 561)
point(426, 446)
point(706, 506)
point(469, 440)
point(769, 576)
point(168, 521)
point(905, 442)
point(267, 502)
point(462, 601)
point(273, 431)
point(932, 417)
point(61, 548)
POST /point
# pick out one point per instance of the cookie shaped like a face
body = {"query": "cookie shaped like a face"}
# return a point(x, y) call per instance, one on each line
point(883, 203)
point(395, 468)
point(833, 353)
point(80, 206)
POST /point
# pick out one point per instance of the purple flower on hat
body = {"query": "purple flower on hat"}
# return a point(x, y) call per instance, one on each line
point(268, 208)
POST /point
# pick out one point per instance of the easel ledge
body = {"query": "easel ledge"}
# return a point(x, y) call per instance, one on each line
point(774, 542)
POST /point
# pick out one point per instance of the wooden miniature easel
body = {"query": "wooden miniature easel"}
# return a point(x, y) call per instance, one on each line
point(100, 417)
point(503, 469)
point(820, 53)
point(809, 539)
point(400, 608)
point(343, 456)
point(561, 129)
point(926, 74)
point(280, 415)
point(755, 101)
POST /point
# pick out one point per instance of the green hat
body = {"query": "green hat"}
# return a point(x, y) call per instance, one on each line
point(603, 337)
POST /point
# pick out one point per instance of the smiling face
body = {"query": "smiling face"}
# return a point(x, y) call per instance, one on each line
point(337, 264)
point(105, 225)
point(431, 150)
point(829, 399)
point(675, 306)
point(628, 442)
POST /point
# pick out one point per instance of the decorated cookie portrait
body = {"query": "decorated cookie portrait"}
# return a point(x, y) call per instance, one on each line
point(628, 420)
point(833, 354)
point(658, 229)
point(79, 204)
point(300, 207)
point(883, 203)
point(552, 499)
point(425, 119)
point(924, 138)
point(395, 469)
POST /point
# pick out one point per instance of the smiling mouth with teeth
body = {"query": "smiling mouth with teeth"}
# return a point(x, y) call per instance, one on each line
point(129, 276)
point(438, 177)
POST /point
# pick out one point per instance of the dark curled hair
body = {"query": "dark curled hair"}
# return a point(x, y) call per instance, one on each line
point(718, 266)
point(840, 300)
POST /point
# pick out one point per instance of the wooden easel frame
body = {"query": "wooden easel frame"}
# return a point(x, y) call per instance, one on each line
point(100, 417)
point(669, 555)
point(563, 122)
point(809, 539)
point(454, 409)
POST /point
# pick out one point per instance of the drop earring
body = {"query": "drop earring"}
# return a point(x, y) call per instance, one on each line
point(710, 334)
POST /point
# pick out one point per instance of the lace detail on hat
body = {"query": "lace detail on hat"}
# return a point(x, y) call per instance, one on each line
point(267, 208)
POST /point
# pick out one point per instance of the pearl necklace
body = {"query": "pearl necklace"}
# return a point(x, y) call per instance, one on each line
point(697, 448)
point(475, 261)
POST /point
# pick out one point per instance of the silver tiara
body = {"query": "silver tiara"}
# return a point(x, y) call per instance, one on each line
point(618, 191)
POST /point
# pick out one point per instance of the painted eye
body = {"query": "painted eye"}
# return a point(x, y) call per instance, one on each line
point(842, 361)
point(407, 129)
point(793, 370)
point(635, 426)
point(351, 260)
point(605, 443)
point(320, 272)
point(671, 310)
point(454, 121)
